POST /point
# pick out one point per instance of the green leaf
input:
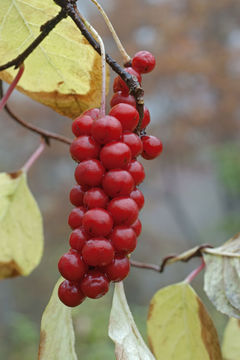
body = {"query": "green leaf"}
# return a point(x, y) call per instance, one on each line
point(129, 344)
point(64, 72)
point(179, 327)
point(21, 231)
point(222, 276)
point(57, 337)
point(231, 343)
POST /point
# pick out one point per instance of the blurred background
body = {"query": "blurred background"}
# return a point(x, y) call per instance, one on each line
point(192, 190)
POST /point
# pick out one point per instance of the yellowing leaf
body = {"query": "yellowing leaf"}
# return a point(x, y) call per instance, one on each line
point(21, 232)
point(64, 72)
point(231, 343)
point(222, 276)
point(57, 335)
point(129, 344)
point(179, 328)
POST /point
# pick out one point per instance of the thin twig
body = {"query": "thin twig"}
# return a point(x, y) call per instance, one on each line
point(195, 272)
point(33, 158)
point(141, 265)
point(11, 87)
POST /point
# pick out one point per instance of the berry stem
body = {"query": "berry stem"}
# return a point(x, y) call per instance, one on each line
point(33, 158)
point(126, 57)
point(194, 273)
point(11, 87)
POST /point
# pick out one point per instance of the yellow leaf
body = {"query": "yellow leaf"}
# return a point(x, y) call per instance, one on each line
point(57, 335)
point(231, 343)
point(64, 72)
point(179, 328)
point(129, 344)
point(21, 232)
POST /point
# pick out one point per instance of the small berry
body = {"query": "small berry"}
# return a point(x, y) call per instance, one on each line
point(120, 98)
point(94, 113)
point(70, 293)
point(82, 125)
point(76, 216)
point(137, 227)
point(94, 284)
point(71, 266)
point(97, 222)
point(146, 118)
point(120, 85)
point(138, 197)
point(83, 148)
point(76, 195)
point(136, 169)
point(143, 62)
point(115, 155)
point(118, 269)
point(95, 198)
point(152, 147)
point(78, 238)
point(98, 252)
point(124, 210)
point(117, 182)
point(106, 129)
point(124, 239)
point(89, 172)
point(134, 142)
point(126, 114)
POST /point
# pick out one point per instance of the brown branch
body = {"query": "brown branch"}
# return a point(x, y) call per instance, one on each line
point(141, 265)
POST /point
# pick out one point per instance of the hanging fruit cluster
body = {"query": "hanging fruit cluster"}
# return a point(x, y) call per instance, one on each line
point(104, 221)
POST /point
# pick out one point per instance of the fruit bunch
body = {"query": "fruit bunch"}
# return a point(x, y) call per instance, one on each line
point(104, 221)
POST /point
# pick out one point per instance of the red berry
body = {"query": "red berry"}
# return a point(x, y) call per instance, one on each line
point(95, 198)
point(95, 284)
point(76, 216)
point(118, 269)
point(78, 238)
point(120, 85)
point(152, 147)
point(146, 118)
point(98, 252)
point(76, 195)
point(134, 142)
point(124, 210)
point(143, 62)
point(124, 239)
point(106, 129)
point(97, 222)
point(89, 172)
point(117, 182)
point(115, 155)
point(136, 169)
point(120, 98)
point(82, 125)
point(137, 227)
point(94, 113)
point(126, 114)
point(84, 147)
point(70, 293)
point(71, 266)
point(138, 197)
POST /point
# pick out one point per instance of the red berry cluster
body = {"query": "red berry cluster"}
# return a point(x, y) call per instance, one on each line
point(104, 222)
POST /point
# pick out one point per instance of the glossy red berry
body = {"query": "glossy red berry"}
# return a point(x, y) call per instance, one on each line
point(76, 216)
point(134, 143)
point(120, 98)
point(98, 252)
point(95, 198)
point(70, 293)
point(89, 172)
point(78, 238)
point(124, 210)
point(146, 118)
point(124, 239)
point(106, 129)
point(137, 227)
point(71, 266)
point(76, 195)
point(136, 169)
point(138, 197)
point(94, 113)
point(126, 114)
point(115, 155)
point(152, 147)
point(94, 284)
point(84, 147)
point(118, 269)
point(143, 62)
point(97, 222)
point(82, 125)
point(120, 85)
point(117, 182)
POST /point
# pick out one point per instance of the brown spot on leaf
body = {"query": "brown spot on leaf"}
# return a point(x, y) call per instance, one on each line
point(60, 83)
point(9, 270)
point(15, 174)
point(209, 333)
point(42, 343)
point(150, 311)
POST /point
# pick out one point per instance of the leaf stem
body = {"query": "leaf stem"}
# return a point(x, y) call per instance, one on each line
point(195, 272)
point(11, 87)
point(33, 158)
